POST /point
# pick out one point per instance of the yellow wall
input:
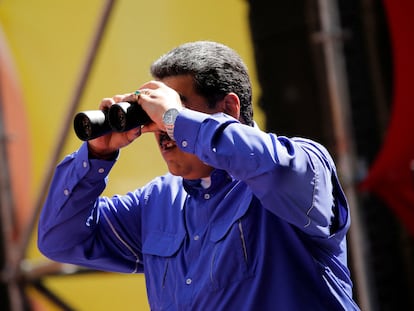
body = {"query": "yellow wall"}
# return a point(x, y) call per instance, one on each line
point(49, 40)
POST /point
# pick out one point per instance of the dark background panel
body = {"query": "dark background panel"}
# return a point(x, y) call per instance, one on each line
point(294, 97)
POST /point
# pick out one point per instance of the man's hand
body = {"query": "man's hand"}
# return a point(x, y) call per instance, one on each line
point(156, 98)
point(106, 146)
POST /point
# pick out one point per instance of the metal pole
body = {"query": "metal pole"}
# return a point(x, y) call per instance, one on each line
point(11, 293)
point(380, 95)
point(61, 139)
point(7, 222)
point(340, 110)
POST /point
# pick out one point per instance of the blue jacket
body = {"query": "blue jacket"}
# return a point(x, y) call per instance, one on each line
point(269, 233)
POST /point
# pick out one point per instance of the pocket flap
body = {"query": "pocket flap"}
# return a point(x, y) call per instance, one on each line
point(220, 229)
point(163, 244)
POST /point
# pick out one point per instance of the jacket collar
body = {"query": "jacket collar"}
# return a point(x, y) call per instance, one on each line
point(219, 178)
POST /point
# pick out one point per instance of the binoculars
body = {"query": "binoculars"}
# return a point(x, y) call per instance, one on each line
point(120, 117)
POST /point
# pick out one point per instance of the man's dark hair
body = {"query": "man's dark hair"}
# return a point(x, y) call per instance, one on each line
point(216, 70)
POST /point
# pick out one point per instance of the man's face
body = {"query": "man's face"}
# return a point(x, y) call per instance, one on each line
point(179, 162)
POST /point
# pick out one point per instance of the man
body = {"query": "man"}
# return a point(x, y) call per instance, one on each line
point(244, 220)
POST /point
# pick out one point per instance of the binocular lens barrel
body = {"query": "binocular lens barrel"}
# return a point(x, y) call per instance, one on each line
point(120, 117)
point(91, 124)
point(125, 116)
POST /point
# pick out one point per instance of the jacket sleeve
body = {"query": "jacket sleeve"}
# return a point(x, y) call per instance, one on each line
point(294, 178)
point(79, 227)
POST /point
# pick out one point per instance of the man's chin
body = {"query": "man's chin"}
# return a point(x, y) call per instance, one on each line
point(174, 171)
point(172, 166)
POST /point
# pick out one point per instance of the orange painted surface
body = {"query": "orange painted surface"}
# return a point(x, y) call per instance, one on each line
point(48, 41)
point(17, 140)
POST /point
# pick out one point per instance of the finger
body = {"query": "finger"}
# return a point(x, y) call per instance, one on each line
point(150, 127)
point(130, 97)
point(152, 85)
point(134, 96)
point(133, 134)
point(145, 92)
point(106, 103)
point(123, 97)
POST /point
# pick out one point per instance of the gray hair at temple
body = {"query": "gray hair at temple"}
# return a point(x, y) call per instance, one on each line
point(216, 70)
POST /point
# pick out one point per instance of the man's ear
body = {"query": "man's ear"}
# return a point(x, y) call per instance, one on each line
point(231, 105)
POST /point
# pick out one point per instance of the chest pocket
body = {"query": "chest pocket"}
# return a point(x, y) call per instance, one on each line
point(162, 243)
point(232, 260)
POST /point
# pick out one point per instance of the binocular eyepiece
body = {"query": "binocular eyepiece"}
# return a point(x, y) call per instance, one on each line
point(120, 117)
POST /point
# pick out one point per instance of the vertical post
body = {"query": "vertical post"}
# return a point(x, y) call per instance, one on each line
point(12, 249)
point(340, 110)
point(66, 125)
point(9, 287)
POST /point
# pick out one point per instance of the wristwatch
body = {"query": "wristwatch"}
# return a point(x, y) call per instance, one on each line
point(169, 120)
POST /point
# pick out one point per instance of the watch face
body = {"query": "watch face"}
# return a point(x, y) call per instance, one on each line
point(170, 115)
point(169, 119)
